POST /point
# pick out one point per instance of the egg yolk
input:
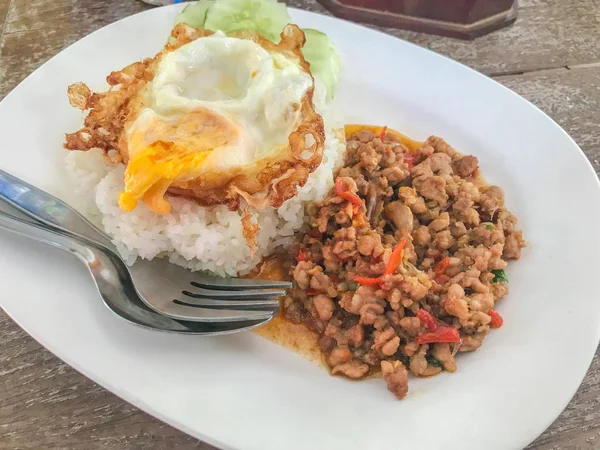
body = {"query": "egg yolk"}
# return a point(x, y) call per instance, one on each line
point(177, 149)
point(150, 173)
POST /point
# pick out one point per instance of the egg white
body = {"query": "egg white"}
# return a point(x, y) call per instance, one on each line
point(257, 91)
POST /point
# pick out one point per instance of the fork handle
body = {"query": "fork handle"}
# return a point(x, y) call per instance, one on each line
point(48, 209)
point(41, 234)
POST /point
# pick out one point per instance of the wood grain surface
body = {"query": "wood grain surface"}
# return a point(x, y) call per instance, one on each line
point(551, 56)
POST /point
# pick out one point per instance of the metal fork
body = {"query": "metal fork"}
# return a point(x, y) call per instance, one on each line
point(118, 294)
point(168, 289)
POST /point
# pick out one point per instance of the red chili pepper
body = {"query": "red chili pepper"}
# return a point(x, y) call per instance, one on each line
point(395, 258)
point(303, 255)
point(441, 334)
point(341, 191)
point(312, 292)
point(497, 319)
point(442, 265)
point(366, 281)
point(409, 159)
point(441, 278)
point(427, 319)
point(352, 198)
point(382, 133)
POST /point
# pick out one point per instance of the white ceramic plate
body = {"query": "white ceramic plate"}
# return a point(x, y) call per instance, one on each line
point(246, 393)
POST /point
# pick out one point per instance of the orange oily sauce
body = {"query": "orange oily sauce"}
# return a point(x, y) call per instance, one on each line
point(295, 337)
point(411, 144)
point(281, 331)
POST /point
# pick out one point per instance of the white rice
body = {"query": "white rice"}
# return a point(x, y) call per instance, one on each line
point(192, 236)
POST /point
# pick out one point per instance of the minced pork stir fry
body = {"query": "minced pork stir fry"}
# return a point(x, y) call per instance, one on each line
point(403, 261)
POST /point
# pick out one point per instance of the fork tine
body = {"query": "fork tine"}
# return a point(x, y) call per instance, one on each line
point(220, 328)
point(237, 294)
point(217, 283)
point(250, 304)
point(178, 309)
point(160, 286)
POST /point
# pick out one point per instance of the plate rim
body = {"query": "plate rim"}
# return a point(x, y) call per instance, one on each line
point(140, 403)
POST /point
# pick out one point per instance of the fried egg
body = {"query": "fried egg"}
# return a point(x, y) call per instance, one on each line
point(223, 116)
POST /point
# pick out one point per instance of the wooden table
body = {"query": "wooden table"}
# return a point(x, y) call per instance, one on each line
point(551, 57)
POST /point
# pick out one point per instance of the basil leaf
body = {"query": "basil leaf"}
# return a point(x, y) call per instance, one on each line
point(499, 276)
point(434, 362)
point(352, 285)
point(405, 360)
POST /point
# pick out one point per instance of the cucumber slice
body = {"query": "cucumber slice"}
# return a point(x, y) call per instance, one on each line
point(267, 17)
point(325, 62)
point(194, 14)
